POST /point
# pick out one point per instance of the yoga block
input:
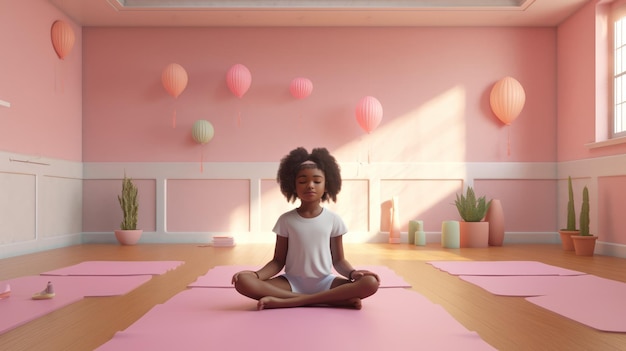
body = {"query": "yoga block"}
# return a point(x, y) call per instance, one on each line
point(420, 238)
point(450, 234)
point(415, 226)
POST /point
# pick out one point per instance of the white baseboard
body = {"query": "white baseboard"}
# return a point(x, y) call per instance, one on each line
point(509, 237)
point(382, 237)
point(32, 246)
point(602, 248)
point(610, 249)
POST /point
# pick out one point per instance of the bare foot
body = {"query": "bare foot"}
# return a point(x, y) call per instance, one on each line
point(353, 303)
point(268, 302)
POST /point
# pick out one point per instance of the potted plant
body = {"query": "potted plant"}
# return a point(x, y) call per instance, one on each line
point(566, 233)
point(585, 243)
point(474, 232)
point(128, 234)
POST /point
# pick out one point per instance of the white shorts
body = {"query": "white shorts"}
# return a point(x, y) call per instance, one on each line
point(303, 285)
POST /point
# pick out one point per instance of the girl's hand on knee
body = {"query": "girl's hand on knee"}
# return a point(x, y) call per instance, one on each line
point(236, 276)
point(362, 273)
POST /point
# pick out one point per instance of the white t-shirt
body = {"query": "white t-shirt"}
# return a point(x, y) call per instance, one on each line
point(308, 254)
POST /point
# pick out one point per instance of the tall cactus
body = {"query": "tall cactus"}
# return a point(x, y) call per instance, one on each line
point(584, 214)
point(129, 204)
point(571, 212)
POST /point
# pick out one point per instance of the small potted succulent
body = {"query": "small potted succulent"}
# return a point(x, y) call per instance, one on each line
point(585, 243)
point(128, 234)
point(566, 233)
point(474, 232)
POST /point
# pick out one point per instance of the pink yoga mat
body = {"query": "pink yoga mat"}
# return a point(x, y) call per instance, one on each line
point(392, 319)
point(520, 285)
point(596, 302)
point(500, 268)
point(20, 308)
point(102, 268)
point(220, 277)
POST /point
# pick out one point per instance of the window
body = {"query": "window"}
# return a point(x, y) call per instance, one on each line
point(619, 75)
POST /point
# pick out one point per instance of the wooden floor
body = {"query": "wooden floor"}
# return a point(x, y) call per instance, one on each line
point(507, 323)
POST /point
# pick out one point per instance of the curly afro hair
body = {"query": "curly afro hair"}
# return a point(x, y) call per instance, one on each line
point(291, 164)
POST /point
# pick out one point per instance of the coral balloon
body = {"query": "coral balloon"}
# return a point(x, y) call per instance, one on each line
point(507, 99)
point(238, 79)
point(202, 131)
point(301, 88)
point(369, 113)
point(63, 38)
point(174, 79)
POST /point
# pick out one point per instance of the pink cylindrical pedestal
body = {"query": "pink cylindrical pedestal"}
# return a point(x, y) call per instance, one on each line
point(495, 217)
point(394, 226)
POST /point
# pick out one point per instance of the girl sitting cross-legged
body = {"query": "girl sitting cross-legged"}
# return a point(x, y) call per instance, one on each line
point(308, 243)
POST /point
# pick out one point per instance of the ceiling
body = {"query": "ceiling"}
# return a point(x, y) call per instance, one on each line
point(246, 13)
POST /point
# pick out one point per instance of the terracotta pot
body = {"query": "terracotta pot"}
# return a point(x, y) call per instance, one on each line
point(495, 217)
point(566, 239)
point(474, 234)
point(584, 245)
point(128, 237)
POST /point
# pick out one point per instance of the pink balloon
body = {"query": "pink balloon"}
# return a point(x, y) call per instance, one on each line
point(238, 79)
point(369, 113)
point(507, 99)
point(301, 88)
point(174, 79)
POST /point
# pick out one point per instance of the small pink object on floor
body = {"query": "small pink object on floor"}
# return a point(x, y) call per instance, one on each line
point(6, 292)
point(46, 293)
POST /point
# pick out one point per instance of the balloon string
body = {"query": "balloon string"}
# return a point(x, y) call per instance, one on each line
point(238, 118)
point(62, 78)
point(174, 119)
point(201, 159)
point(508, 141)
point(58, 77)
point(369, 148)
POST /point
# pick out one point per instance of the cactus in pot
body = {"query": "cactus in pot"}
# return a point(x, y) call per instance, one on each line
point(128, 234)
point(571, 212)
point(473, 231)
point(129, 204)
point(584, 214)
point(566, 233)
point(585, 243)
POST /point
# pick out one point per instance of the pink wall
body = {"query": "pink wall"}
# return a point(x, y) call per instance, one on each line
point(611, 192)
point(431, 82)
point(202, 205)
point(580, 50)
point(45, 117)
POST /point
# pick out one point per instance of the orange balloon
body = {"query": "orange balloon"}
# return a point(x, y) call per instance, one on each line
point(63, 38)
point(507, 99)
point(174, 79)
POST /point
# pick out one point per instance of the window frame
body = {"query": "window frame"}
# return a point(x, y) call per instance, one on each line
point(618, 14)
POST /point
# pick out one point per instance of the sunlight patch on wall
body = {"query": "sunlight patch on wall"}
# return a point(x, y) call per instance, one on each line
point(432, 132)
